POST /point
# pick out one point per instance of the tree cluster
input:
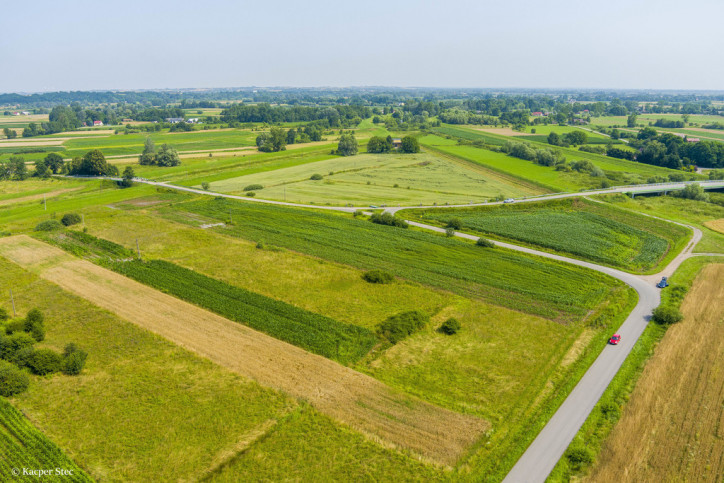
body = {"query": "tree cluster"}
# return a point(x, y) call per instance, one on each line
point(93, 163)
point(165, 156)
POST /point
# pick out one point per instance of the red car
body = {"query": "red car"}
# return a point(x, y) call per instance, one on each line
point(615, 339)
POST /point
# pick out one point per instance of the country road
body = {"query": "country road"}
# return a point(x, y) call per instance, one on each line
point(549, 446)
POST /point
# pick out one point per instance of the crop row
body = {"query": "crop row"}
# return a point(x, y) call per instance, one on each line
point(589, 230)
point(316, 333)
point(533, 284)
point(23, 446)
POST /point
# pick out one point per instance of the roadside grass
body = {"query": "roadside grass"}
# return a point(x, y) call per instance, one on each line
point(551, 289)
point(307, 446)
point(575, 226)
point(603, 427)
point(143, 408)
point(376, 179)
point(695, 213)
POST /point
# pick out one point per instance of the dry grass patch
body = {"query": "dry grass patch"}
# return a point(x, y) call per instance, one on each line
point(40, 196)
point(716, 225)
point(348, 396)
point(671, 428)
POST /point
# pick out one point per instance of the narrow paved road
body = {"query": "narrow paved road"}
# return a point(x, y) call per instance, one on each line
point(543, 454)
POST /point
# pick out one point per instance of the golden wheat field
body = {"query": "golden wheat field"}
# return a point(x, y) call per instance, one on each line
point(672, 428)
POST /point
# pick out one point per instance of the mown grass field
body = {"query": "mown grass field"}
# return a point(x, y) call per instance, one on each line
point(609, 121)
point(142, 408)
point(670, 428)
point(578, 227)
point(376, 179)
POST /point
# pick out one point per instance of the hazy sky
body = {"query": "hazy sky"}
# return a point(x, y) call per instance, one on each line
point(129, 44)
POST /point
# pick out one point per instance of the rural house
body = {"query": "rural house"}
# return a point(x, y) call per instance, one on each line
point(97, 123)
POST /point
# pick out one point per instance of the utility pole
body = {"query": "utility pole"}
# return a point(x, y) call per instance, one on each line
point(231, 220)
point(285, 193)
point(12, 300)
point(138, 249)
point(45, 203)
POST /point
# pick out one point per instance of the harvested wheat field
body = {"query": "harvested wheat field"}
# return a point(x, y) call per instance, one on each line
point(360, 401)
point(716, 225)
point(672, 428)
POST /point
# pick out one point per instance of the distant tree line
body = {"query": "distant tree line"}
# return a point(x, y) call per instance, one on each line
point(336, 116)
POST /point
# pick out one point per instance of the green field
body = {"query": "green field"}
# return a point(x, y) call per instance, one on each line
point(578, 227)
point(620, 121)
point(552, 289)
point(376, 179)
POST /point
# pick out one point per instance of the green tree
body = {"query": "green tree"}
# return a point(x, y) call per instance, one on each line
point(694, 191)
point(410, 144)
point(94, 163)
point(167, 156)
point(41, 169)
point(55, 162)
point(347, 145)
point(16, 168)
point(631, 121)
point(378, 144)
point(667, 314)
point(128, 176)
point(10, 133)
point(554, 139)
point(291, 136)
point(148, 157)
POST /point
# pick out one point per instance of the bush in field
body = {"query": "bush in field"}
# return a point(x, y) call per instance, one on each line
point(253, 187)
point(316, 177)
point(667, 314)
point(205, 185)
point(579, 455)
point(12, 344)
point(396, 327)
point(455, 223)
point(450, 327)
point(449, 232)
point(484, 242)
point(377, 276)
point(17, 325)
point(42, 361)
point(388, 219)
point(70, 219)
point(12, 379)
point(35, 324)
point(4, 314)
point(48, 225)
point(251, 194)
point(73, 360)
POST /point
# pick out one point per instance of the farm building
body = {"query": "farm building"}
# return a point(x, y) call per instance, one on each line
point(692, 140)
point(97, 123)
point(396, 143)
point(536, 113)
point(192, 120)
point(174, 120)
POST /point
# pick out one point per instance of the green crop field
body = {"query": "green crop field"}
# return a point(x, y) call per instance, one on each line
point(376, 179)
point(551, 289)
point(592, 231)
point(24, 447)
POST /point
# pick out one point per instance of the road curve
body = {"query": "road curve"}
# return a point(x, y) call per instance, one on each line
point(544, 452)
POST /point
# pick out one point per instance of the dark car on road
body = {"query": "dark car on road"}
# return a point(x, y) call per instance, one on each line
point(663, 283)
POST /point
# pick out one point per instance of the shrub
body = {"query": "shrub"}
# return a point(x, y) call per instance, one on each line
point(483, 242)
point(377, 276)
point(44, 361)
point(357, 213)
point(4, 314)
point(316, 176)
point(70, 219)
point(578, 454)
point(667, 314)
point(397, 327)
point(205, 185)
point(17, 325)
point(449, 232)
point(250, 194)
point(450, 327)
point(388, 219)
point(455, 223)
point(12, 379)
point(35, 324)
point(73, 364)
point(12, 344)
point(48, 225)
point(260, 245)
point(253, 187)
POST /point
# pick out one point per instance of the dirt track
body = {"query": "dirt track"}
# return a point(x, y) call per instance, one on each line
point(360, 401)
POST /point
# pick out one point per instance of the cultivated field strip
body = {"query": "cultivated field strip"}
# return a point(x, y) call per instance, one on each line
point(672, 428)
point(350, 397)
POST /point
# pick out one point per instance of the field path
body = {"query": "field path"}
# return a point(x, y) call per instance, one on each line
point(387, 416)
